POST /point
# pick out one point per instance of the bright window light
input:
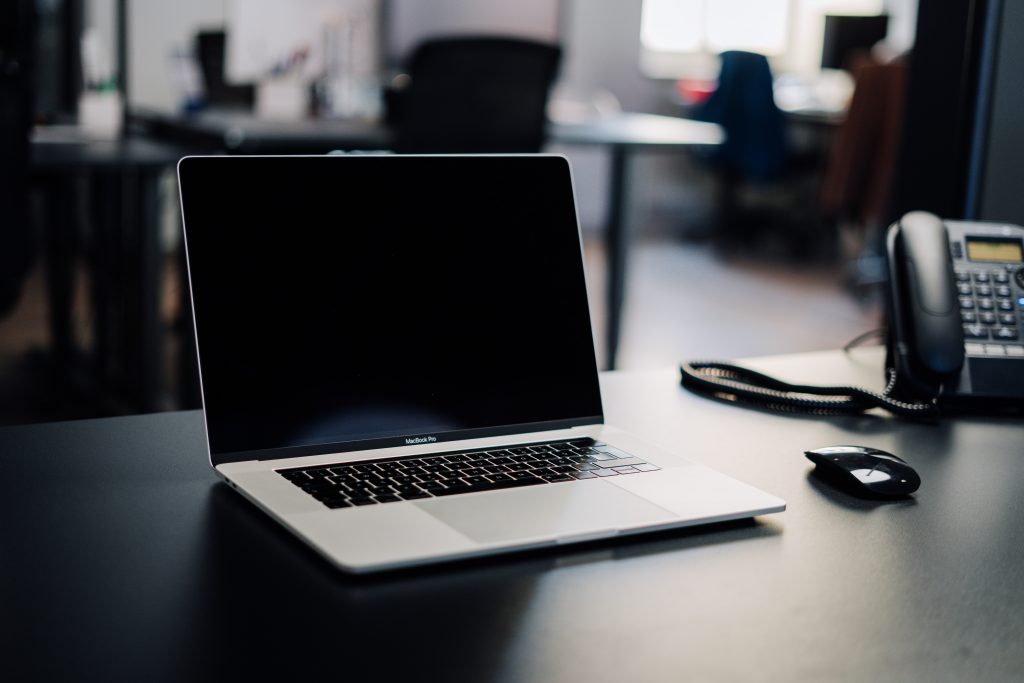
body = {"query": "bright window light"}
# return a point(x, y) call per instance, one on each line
point(682, 37)
point(754, 25)
point(715, 25)
point(672, 25)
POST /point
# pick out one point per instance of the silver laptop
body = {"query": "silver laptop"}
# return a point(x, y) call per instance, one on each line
point(397, 363)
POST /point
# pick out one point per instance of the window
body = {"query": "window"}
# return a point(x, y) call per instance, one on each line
point(680, 38)
point(715, 25)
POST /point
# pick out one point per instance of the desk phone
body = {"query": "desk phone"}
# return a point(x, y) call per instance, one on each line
point(957, 311)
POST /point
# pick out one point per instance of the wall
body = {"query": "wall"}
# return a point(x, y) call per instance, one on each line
point(1000, 185)
point(156, 28)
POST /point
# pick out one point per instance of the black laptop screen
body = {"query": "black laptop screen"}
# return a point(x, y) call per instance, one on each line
point(385, 299)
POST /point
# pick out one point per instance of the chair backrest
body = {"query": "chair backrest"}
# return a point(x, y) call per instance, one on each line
point(744, 105)
point(861, 166)
point(210, 49)
point(475, 94)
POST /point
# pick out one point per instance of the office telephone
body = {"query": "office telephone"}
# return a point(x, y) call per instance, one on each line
point(955, 340)
point(956, 326)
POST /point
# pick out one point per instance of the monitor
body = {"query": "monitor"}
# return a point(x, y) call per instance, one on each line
point(844, 35)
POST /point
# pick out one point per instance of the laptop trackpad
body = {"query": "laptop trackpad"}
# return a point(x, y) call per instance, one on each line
point(543, 512)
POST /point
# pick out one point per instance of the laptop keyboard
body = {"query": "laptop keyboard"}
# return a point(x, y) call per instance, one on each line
point(445, 474)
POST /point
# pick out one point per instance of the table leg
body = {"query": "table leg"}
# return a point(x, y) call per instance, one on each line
point(617, 239)
point(61, 236)
point(148, 325)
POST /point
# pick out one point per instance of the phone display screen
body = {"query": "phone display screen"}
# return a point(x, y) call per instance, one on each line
point(995, 250)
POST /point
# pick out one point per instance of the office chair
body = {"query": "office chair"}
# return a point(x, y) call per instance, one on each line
point(474, 94)
point(761, 182)
point(210, 48)
point(856, 191)
point(743, 104)
point(17, 36)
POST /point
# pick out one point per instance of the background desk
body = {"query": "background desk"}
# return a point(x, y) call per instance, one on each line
point(623, 134)
point(124, 559)
point(122, 178)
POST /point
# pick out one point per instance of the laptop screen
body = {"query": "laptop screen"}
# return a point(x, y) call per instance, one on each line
point(347, 302)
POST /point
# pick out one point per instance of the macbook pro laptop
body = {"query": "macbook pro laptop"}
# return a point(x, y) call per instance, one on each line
point(397, 364)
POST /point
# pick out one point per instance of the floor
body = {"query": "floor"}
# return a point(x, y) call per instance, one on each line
point(688, 301)
point(684, 301)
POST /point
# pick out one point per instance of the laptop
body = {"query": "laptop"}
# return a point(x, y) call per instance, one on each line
point(397, 364)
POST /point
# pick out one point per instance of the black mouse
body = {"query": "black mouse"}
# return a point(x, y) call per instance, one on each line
point(865, 471)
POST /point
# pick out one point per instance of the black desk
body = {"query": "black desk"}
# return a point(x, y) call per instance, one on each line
point(122, 178)
point(124, 559)
point(623, 134)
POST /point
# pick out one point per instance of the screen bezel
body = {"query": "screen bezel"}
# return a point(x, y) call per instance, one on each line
point(219, 458)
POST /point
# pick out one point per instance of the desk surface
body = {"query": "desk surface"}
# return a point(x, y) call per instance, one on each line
point(246, 134)
point(61, 151)
point(123, 558)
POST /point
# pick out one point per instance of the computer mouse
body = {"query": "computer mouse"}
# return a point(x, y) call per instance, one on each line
point(865, 471)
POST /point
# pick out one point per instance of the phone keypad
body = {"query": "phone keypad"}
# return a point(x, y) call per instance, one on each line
point(992, 312)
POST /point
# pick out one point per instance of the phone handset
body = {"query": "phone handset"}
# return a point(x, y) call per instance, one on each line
point(931, 312)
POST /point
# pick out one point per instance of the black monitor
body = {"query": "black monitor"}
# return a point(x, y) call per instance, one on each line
point(847, 34)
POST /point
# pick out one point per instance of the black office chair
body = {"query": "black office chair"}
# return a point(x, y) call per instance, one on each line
point(210, 48)
point(762, 186)
point(474, 94)
point(17, 34)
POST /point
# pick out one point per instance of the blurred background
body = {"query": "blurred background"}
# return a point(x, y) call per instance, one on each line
point(736, 161)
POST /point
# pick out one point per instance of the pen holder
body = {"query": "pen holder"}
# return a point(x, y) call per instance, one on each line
point(100, 114)
point(282, 99)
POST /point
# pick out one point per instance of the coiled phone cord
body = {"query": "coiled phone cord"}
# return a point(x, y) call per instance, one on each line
point(735, 383)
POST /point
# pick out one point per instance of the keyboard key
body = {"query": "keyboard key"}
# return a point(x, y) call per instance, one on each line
point(1005, 334)
point(647, 467)
point(975, 332)
point(366, 483)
